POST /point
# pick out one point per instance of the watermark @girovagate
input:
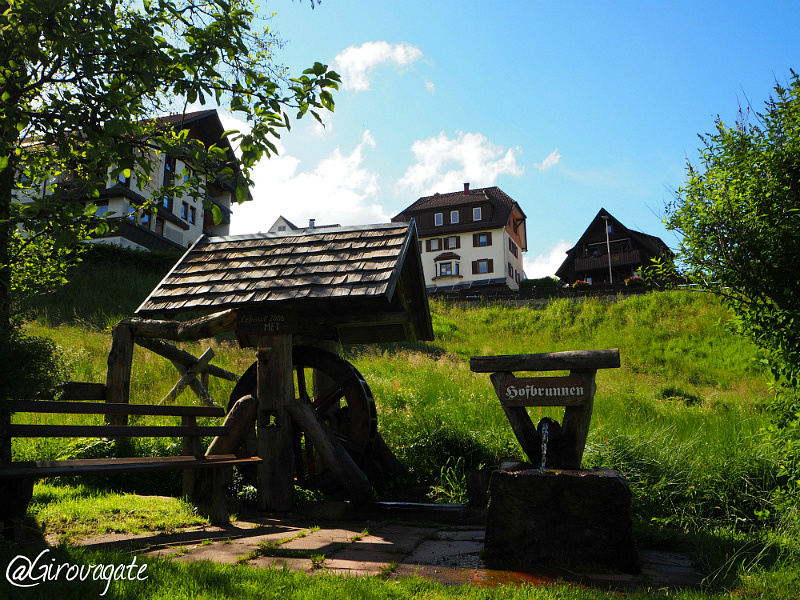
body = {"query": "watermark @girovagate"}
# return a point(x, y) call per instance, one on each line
point(26, 573)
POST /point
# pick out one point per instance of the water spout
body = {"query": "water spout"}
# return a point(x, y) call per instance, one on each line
point(544, 433)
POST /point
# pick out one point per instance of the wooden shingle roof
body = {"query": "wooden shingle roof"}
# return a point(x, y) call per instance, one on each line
point(346, 277)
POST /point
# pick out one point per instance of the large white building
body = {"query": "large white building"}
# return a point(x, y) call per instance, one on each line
point(469, 239)
point(178, 221)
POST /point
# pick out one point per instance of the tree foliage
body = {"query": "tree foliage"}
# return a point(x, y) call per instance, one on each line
point(739, 217)
point(81, 85)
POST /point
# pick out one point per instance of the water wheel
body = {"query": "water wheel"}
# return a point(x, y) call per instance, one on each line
point(343, 400)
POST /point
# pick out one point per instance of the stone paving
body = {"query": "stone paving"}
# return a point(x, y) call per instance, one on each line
point(448, 553)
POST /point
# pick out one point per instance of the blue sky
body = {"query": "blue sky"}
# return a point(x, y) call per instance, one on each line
point(568, 107)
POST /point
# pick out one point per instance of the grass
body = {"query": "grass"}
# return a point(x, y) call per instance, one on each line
point(206, 580)
point(74, 512)
point(682, 419)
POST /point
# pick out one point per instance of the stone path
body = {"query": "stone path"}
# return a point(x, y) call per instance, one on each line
point(449, 553)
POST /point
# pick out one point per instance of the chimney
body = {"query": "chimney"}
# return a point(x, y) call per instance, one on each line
point(311, 223)
point(466, 189)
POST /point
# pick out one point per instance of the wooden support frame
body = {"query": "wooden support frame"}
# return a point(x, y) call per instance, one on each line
point(575, 392)
point(275, 389)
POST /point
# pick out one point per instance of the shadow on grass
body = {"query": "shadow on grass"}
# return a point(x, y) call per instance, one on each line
point(724, 556)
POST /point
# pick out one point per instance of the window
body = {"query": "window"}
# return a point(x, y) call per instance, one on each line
point(102, 208)
point(281, 227)
point(482, 266)
point(192, 215)
point(476, 213)
point(448, 269)
point(145, 222)
point(455, 217)
point(169, 170)
point(438, 219)
point(185, 211)
point(159, 226)
point(510, 270)
point(434, 245)
point(482, 239)
point(452, 243)
point(126, 181)
point(512, 247)
point(169, 178)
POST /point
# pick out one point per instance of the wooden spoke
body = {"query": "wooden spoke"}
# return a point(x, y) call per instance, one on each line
point(346, 406)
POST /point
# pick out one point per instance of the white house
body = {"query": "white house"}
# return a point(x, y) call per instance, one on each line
point(179, 221)
point(470, 239)
point(282, 224)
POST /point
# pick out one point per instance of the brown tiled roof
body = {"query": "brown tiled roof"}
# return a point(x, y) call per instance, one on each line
point(332, 272)
point(502, 205)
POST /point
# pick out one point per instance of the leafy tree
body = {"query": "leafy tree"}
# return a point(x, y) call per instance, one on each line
point(81, 85)
point(739, 217)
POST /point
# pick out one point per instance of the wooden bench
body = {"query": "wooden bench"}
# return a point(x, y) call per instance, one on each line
point(17, 478)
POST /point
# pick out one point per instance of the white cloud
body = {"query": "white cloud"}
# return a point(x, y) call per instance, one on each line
point(338, 190)
point(444, 164)
point(430, 86)
point(549, 162)
point(355, 63)
point(545, 265)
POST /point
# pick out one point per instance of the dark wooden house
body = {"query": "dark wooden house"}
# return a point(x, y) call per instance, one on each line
point(609, 252)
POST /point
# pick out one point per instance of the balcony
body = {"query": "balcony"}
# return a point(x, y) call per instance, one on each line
point(618, 259)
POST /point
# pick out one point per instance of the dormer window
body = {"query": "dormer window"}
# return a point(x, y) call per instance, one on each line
point(454, 217)
point(438, 219)
point(476, 213)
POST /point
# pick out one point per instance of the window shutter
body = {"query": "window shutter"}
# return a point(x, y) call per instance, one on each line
point(458, 242)
point(491, 265)
point(488, 238)
point(428, 245)
point(474, 267)
point(474, 240)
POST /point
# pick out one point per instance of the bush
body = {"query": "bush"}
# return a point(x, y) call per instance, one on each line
point(635, 282)
point(32, 365)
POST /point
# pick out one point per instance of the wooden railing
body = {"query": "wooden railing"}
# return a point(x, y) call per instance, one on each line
point(631, 257)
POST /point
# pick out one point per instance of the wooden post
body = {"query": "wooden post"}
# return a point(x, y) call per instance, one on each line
point(275, 390)
point(521, 423)
point(118, 376)
point(192, 446)
point(577, 420)
point(575, 393)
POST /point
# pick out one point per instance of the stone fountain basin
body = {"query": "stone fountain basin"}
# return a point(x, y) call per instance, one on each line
point(574, 518)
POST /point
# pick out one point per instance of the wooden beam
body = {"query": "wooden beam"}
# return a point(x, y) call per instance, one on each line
point(108, 408)
point(577, 420)
point(521, 424)
point(190, 376)
point(97, 466)
point(240, 421)
point(118, 376)
point(196, 329)
point(331, 451)
point(176, 355)
point(275, 389)
point(112, 431)
point(552, 361)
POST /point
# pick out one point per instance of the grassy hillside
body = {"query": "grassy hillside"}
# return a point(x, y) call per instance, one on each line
point(682, 418)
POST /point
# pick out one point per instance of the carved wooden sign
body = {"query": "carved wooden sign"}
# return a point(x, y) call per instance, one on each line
point(573, 390)
point(265, 324)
